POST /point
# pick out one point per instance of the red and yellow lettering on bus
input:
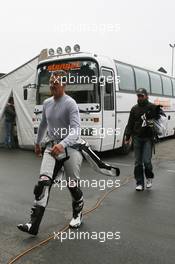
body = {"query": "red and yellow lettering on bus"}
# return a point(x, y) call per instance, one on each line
point(64, 66)
point(164, 103)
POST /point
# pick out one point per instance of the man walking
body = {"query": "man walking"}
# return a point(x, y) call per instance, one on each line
point(142, 135)
point(60, 113)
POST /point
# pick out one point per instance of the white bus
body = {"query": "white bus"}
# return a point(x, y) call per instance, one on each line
point(104, 105)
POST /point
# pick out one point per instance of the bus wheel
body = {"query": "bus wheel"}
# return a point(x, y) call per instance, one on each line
point(126, 148)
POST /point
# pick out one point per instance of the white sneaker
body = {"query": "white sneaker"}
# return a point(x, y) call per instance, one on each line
point(76, 222)
point(148, 183)
point(139, 187)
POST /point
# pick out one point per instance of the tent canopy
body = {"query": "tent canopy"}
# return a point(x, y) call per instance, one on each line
point(12, 84)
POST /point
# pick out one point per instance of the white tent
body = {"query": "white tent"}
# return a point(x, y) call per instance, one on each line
point(12, 84)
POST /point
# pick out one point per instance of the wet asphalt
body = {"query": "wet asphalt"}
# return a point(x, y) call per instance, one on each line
point(128, 227)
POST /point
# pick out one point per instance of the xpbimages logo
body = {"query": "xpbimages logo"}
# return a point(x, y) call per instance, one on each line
point(93, 183)
point(99, 132)
point(84, 79)
point(101, 28)
point(80, 235)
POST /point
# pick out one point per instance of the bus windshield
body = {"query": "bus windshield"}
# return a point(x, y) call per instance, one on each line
point(82, 81)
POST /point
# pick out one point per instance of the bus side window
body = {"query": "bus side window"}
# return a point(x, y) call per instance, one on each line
point(108, 91)
point(126, 73)
point(142, 79)
point(167, 86)
point(156, 84)
point(173, 81)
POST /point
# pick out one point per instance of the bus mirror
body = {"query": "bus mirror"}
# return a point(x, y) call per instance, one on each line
point(32, 85)
point(25, 93)
point(109, 87)
point(26, 87)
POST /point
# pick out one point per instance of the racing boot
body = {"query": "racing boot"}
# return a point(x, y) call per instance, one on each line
point(32, 226)
point(77, 213)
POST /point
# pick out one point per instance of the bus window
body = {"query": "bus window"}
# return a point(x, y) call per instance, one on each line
point(156, 84)
point(142, 79)
point(126, 77)
point(167, 86)
point(173, 81)
point(108, 91)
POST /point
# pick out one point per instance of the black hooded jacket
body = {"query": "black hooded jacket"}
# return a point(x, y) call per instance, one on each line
point(136, 125)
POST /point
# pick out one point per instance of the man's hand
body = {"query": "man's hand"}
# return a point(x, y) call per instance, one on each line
point(57, 149)
point(127, 141)
point(38, 150)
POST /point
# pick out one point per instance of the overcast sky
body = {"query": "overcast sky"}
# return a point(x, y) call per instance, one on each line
point(138, 32)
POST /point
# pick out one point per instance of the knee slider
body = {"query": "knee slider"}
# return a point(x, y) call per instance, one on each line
point(39, 189)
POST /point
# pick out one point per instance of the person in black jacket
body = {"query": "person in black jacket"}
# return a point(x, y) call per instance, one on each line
point(142, 135)
point(10, 116)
